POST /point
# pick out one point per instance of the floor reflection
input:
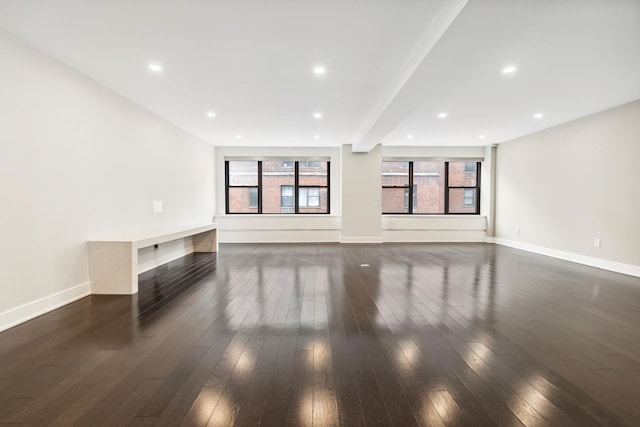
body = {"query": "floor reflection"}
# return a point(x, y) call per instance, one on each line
point(441, 334)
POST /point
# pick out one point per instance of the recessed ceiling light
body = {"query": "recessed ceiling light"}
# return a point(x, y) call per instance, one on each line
point(211, 114)
point(317, 115)
point(482, 137)
point(319, 70)
point(442, 115)
point(155, 67)
point(238, 136)
point(316, 137)
point(538, 115)
point(409, 136)
point(509, 69)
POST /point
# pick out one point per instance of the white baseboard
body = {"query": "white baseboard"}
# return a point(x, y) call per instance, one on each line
point(344, 239)
point(30, 310)
point(618, 267)
point(157, 262)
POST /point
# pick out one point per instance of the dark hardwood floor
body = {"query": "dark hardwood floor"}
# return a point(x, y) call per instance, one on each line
point(301, 335)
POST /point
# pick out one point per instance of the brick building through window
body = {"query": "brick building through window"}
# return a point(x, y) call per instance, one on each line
point(277, 186)
point(430, 187)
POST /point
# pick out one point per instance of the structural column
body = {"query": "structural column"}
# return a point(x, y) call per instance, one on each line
point(361, 196)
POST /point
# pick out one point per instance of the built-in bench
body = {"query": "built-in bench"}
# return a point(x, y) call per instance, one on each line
point(113, 262)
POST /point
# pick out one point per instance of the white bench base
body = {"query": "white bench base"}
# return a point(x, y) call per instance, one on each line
point(113, 262)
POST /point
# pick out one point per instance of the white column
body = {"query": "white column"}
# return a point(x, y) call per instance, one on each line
point(361, 196)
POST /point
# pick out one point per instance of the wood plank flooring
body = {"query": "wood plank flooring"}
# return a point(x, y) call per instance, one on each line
point(306, 335)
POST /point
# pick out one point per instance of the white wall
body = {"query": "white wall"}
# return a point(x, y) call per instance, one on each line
point(80, 162)
point(279, 228)
point(361, 196)
point(570, 184)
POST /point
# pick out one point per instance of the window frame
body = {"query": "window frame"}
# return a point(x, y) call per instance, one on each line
point(410, 188)
point(296, 187)
point(448, 188)
point(407, 188)
point(227, 186)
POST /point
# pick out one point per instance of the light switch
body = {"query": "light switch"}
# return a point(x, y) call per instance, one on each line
point(157, 206)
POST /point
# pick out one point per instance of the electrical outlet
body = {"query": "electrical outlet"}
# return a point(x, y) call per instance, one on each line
point(517, 230)
point(156, 207)
point(596, 243)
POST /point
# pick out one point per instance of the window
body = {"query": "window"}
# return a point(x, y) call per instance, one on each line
point(243, 180)
point(309, 164)
point(309, 197)
point(277, 186)
point(469, 196)
point(253, 197)
point(286, 196)
point(287, 201)
point(425, 187)
point(415, 198)
point(463, 188)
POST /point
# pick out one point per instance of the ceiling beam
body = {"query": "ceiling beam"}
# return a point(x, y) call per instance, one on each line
point(399, 99)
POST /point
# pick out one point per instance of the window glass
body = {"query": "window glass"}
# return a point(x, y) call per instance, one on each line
point(253, 197)
point(395, 174)
point(243, 173)
point(309, 164)
point(312, 199)
point(312, 173)
point(277, 186)
point(423, 187)
point(407, 196)
point(460, 175)
point(240, 200)
point(287, 201)
point(462, 200)
point(469, 197)
point(428, 178)
point(393, 200)
point(275, 175)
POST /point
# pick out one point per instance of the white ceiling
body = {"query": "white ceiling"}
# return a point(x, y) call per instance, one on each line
point(392, 65)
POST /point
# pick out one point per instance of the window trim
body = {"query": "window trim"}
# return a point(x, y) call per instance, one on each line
point(296, 187)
